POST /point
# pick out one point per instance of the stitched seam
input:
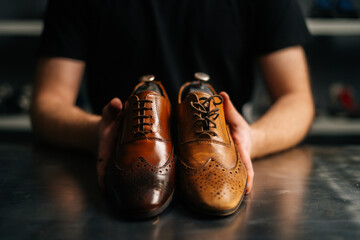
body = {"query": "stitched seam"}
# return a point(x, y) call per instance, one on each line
point(208, 162)
point(170, 159)
point(206, 140)
point(147, 138)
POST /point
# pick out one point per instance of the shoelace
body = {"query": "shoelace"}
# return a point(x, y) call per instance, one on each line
point(139, 118)
point(204, 115)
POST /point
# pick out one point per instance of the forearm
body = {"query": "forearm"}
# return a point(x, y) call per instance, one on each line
point(64, 125)
point(284, 125)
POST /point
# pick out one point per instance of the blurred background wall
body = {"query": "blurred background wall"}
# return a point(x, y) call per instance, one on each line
point(333, 55)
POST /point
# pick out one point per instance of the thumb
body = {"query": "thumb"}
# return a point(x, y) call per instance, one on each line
point(112, 109)
point(232, 116)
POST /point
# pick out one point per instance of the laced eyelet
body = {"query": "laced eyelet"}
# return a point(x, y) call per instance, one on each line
point(205, 115)
point(141, 115)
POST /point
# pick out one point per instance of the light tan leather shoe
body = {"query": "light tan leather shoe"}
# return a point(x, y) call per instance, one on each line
point(141, 173)
point(211, 174)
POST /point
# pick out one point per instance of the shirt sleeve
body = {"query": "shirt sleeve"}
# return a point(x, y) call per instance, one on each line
point(277, 24)
point(65, 30)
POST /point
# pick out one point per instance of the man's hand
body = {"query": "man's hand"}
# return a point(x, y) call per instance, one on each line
point(108, 130)
point(241, 134)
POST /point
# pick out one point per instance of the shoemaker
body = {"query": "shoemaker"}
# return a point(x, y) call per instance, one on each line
point(117, 41)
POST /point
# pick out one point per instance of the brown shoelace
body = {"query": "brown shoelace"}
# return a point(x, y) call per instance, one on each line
point(204, 115)
point(139, 118)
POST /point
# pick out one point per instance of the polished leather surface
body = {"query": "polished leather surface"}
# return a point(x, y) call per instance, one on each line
point(141, 174)
point(211, 174)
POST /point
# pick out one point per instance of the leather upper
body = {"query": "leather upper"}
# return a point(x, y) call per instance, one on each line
point(152, 141)
point(212, 175)
point(142, 170)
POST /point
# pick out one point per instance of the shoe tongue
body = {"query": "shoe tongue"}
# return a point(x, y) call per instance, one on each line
point(201, 97)
point(202, 94)
point(195, 96)
point(144, 94)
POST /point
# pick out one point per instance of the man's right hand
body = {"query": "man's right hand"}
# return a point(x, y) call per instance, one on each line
point(108, 130)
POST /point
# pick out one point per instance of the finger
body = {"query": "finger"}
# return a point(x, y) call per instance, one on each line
point(103, 160)
point(105, 151)
point(101, 173)
point(250, 171)
point(116, 103)
point(233, 117)
point(108, 134)
point(249, 168)
point(112, 109)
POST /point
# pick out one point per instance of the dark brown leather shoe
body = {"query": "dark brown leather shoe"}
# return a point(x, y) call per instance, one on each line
point(211, 174)
point(141, 174)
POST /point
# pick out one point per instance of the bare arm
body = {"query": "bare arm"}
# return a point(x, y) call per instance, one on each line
point(54, 116)
point(289, 119)
point(57, 120)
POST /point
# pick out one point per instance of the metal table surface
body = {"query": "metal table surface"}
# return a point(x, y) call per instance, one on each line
point(305, 193)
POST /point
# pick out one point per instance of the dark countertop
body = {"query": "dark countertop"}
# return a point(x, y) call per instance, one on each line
point(305, 193)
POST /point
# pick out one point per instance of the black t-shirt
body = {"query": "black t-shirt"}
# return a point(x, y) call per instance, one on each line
point(121, 40)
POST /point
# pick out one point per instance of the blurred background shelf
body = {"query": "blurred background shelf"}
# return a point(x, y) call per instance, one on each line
point(334, 27)
point(21, 27)
point(16, 123)
point(329, 27)
point(328, 126)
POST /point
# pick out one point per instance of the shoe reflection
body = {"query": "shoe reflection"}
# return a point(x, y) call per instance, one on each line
point(77, 209)
point(279, 190)
point(65, 178)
